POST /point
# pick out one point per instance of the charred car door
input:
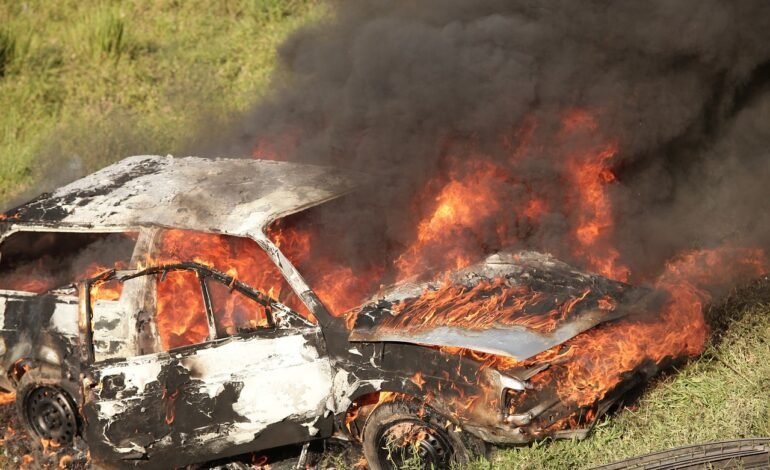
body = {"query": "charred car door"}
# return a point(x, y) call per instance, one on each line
point(234, 372)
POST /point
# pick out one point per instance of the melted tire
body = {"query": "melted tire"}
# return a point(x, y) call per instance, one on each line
point(738, 453)
point(405, 432)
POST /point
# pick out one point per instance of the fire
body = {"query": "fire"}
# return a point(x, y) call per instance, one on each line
point(170, 400)
point(489, 303)
point(339, 287)
point(180, 310)
point(458, 209)
point(7, 398)
point(362, 406)
point(180, 318)
point(594, 226)
point(461, 203)
point(27, 279)
point(593, 363)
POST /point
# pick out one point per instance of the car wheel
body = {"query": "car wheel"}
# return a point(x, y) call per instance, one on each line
point(46, 407)
point(406, 433)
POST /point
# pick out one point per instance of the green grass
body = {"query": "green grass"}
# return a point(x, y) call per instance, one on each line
point(83, 83)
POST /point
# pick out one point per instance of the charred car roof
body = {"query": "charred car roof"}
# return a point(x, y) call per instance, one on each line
point(233, 196)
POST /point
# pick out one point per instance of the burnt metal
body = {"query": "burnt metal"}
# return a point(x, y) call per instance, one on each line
point(51, 414)
point(191, 193)
point(148, 408)
point(556, 284)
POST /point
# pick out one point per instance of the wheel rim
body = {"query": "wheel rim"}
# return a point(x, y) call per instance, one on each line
point(412, 441)
point(51, 414)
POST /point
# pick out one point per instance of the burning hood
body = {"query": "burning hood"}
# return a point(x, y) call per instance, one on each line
point(232, 196)
point(511, 304)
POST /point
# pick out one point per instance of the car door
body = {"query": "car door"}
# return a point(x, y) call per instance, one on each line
point(228, 377)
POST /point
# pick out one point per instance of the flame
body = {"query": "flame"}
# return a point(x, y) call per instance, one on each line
point(29, 277)
point(489, 303)
point(593, 363)
point(418, 380)
point(464, 215)
point(180, 316)
point(458, 210)
point(65, 462)
point(7, 398)
point(260, 462)
point(364, 405)
point(594, 219)
point(338, 286)
point(170, 400)
point(462, 202)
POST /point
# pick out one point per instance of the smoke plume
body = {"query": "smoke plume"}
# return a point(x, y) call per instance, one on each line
point(413, 92)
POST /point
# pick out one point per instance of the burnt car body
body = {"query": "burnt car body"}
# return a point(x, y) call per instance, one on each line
point(285, 379)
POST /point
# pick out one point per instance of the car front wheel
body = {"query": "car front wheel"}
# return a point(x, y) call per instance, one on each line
point(405, 433)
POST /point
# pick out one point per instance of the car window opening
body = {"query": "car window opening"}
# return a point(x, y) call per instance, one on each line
point(41, 261)
point(180, 310)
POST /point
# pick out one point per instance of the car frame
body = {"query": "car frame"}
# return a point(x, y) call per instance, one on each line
point(399, 393)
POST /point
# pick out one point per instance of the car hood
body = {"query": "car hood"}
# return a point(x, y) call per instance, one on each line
point(511, 304)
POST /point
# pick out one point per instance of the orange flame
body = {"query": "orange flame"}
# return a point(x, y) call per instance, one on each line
point(180, 313)
point(7, 398)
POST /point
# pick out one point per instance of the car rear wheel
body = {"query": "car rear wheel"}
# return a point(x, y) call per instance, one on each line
point(46, 408)
point(406, 433)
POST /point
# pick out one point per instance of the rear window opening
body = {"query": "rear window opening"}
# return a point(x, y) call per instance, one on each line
point(40, 261)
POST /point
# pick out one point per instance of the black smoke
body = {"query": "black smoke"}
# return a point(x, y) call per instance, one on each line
point(402, 89)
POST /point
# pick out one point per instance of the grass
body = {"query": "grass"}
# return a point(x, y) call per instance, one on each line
point(83, 83)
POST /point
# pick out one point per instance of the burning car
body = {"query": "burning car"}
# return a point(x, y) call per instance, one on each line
point(159, 359)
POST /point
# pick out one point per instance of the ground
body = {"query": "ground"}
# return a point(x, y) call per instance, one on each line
point(82, 82)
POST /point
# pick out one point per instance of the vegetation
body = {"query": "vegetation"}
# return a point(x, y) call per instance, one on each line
point(83, 82)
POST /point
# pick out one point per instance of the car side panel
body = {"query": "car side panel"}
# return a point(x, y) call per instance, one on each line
point(222, 398)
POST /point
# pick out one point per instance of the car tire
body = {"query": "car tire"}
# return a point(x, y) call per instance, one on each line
point(46, 407)
point(406, 433)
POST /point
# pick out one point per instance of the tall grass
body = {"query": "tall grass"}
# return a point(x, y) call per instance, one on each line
point(109, 37)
